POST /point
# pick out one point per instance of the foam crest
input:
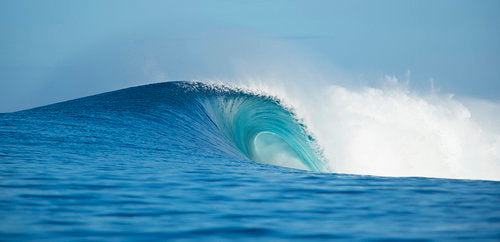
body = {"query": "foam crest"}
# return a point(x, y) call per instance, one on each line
point(392, 131)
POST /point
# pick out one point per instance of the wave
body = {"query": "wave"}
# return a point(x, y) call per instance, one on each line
point(193, 120)
point(371, 131)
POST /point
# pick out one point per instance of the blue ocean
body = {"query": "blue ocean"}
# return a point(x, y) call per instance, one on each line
point(193, 161)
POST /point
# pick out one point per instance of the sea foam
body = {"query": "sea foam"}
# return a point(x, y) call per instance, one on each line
point(394, 131)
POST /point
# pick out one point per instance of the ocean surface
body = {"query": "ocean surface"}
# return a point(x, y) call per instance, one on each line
point(184, 160)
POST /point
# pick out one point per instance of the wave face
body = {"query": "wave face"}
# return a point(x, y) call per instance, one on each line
point(195, 119)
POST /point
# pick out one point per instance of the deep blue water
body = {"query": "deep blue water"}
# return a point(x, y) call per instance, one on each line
point(178, 161)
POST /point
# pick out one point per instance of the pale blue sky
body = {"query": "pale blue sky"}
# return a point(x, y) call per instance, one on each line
point(56, 50)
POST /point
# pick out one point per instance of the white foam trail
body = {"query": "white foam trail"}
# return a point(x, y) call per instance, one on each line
point(392, 131)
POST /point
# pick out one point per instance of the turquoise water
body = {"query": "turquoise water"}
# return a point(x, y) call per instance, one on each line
point(189, 161)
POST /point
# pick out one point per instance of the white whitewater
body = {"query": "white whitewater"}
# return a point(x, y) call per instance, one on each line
point(392, 131)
